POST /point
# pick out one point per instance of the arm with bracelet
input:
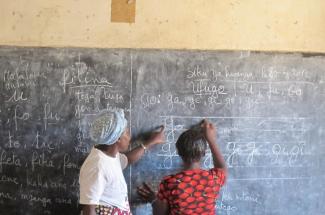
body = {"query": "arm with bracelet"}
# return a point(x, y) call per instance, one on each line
point(156, 137)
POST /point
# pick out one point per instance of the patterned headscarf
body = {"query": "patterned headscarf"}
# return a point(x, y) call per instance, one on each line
point(108, 126)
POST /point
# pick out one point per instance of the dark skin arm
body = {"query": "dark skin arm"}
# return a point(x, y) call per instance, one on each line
point(159, 207)
point(89, 210)
point(156, 137)
point(209, 132)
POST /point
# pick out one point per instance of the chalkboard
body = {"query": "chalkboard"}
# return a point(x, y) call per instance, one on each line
point(268, 107)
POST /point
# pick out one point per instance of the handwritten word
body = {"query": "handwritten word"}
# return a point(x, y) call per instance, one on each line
point(9, 160)
point(279, 73)
point(24, 116)
point(115, 97)
point(187, 101)
point(248, 197)
point(80, 149)
point(249, 150)
point(39, 160)
point(22, 76)
point(294, 91)
point(226, 195)
point(49, 116)
point(216, 75)
point(148, 100)
point(48, 183)
point(292, 152)
point(12, 143)
point(225, 207)
point(238, 75)
point(37, 199)
point(63, 201)
point(9, 196)
point(196, 73)
point(90, 100)
point(81, 75)
point(17, 97)
point(87, 97)
point(202, 87)
point(279, 154)
point(214, 100)
point(9, 179)
point(81, 109)
point(241, 196)
point(67, 164)
point(40, 143)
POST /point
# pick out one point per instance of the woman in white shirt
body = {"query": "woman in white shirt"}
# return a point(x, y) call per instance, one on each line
point(103, 189)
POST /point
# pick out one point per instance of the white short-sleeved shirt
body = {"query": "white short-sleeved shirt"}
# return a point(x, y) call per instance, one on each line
point(102, 182)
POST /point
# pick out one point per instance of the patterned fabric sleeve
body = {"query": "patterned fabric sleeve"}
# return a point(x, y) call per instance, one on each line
point(162, 191)
point(219, 175)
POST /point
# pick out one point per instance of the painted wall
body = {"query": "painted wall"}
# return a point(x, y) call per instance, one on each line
point(281, 25)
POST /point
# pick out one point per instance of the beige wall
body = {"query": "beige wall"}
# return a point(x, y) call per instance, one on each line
point(281, 25)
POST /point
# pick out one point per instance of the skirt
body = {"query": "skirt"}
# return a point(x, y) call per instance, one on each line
point(110, 210)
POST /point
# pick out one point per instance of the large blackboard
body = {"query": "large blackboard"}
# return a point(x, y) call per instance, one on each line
point(269, 109)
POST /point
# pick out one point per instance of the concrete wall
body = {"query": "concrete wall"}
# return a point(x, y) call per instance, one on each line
point(275, 25)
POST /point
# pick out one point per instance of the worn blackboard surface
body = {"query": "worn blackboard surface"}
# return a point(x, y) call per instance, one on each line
point(269, 109)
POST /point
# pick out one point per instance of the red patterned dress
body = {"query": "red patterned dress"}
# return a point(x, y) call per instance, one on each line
point(192, 191)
